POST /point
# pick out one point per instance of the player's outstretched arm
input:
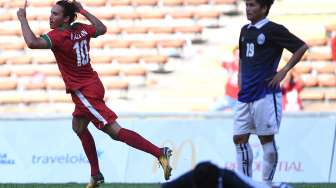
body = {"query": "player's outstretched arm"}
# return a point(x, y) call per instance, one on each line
point(100, 27)
point(31, 40)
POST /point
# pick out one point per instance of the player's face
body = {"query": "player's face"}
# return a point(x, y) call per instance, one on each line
point(254, 11)
point(56, 18)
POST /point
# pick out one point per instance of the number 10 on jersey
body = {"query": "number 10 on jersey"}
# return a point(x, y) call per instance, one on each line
point(82, 52)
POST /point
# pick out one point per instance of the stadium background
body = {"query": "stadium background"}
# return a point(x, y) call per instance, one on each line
point(161, 60)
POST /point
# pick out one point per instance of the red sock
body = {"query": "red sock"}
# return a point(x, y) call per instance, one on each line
point(90, 150)
point(135, 140)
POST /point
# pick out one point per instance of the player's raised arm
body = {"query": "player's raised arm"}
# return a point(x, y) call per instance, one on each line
point(100, 27)
point(31, 40)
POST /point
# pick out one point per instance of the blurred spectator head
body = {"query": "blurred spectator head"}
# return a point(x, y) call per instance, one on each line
point(205, 175)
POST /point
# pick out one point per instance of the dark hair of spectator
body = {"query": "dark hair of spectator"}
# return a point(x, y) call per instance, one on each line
point(205, 175)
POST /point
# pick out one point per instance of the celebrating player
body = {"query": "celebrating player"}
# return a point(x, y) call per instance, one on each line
point(258, 110)
point(70, 43)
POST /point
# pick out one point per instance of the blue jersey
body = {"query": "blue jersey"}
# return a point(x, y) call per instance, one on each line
point(260, 49)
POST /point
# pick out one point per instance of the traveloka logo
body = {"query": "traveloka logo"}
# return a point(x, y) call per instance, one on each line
point(67, 158)
point(4, 160)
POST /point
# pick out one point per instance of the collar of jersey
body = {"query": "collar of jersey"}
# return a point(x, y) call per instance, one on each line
point(259, 24)
point(64, 26)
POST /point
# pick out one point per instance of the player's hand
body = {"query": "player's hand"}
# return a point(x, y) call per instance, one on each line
point(275, 81)
point(78, 5)
point(21, 13)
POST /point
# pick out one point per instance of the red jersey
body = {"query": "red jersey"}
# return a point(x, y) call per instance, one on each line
point(71, 48)
point(231, 87)
point(291, 100)
point(333, 48)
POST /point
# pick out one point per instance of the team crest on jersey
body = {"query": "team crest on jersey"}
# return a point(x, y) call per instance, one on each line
point(261, 39)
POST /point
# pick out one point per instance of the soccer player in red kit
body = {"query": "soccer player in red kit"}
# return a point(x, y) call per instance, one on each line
point(70, 44)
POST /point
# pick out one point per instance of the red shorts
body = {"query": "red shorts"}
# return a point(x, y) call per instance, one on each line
point(89, 103)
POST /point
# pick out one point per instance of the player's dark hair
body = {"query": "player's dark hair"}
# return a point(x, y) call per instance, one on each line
point(69, 9)
point(205, 175)
point(267, 3)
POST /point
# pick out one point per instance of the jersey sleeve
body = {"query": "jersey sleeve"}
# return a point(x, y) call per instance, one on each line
point(93, 32)
point(285, 39)
point(242, 33)
point(51, 38)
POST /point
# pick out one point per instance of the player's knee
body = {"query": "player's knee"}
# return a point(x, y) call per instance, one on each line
point(112, 131)
point(78, 130)
point(271, 156)
point(79, 125)
point(270, 152)
point(266, 139)
point(114, 136)
point(240, 139)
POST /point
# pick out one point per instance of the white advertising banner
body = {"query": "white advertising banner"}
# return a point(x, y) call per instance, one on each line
point(48, 151)
point(304, 145)
point(333, 162)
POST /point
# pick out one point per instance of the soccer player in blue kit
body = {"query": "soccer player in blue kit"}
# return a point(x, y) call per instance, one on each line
point(258, 109)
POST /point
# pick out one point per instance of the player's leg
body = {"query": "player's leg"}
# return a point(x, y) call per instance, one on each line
point(270, 157)
point(79, 126)
point(244, 156)
point(82, 116)
point(267, 118)
point(90, 101)
point(131, 138)
point(243, 126)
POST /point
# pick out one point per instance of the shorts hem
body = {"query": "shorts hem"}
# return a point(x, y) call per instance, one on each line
point(241, 133)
